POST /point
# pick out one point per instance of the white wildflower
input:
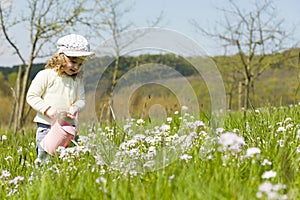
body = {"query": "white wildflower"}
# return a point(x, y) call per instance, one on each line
point(101, 180)
point(5, 174)
point(252, 151)
point(132, 143)
point(140, 122)
point(126, 126)
point(135, 152)
point(11, 191)
point(266, 162)
point(99, 160)
point(139, 137)
point(248, 128)
point(280, 129)
point(269, 174)
point(171, 177)
point(31, 178)
point(149, 164)
point(19, 151)
point(198, 123)
point(4, 137)
point(165, 127)
point(265, 187)
point(219, 130)
point(209, 157)
point(133, 173)
point(37, 161)
point(152, 149)
point(8, 158)
point(83, 139)
point(184, 107)
point(289, 126)
point(271, 191)
point(278, 187)
point(288, 119)
point(232, 142)
point(193, 135)
point(169, 119)
point(16, 180)
point(185, 157)
point(32, 144)
point(281, 143)
point(186, 115)
point(298, 133)
point(123, 146)
point(235, 130)
point(102, 171)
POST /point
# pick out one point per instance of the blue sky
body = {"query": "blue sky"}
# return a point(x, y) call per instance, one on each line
point(178, 13)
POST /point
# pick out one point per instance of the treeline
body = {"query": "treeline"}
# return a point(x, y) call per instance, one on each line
point(277, 85)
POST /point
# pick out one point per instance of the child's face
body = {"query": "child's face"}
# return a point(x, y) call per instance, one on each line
point(73, 65)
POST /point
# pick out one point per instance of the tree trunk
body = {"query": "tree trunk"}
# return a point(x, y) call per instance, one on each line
point(23, 96)
point(246, 96)
point(230, 96)
point(247, 93)
point(240, 89)
point(17, 99)
point(12, 112)
point(113, 85)
point(229, 101)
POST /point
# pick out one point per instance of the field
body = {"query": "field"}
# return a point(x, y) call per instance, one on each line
point(182, 157)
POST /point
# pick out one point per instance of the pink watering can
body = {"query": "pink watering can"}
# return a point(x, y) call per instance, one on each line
point(60, 134)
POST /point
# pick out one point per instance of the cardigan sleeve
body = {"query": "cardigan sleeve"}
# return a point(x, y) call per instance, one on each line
point(80, 100)
point(36, 91)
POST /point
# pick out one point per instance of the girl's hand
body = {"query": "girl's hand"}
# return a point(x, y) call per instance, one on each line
point(51, 113)
point(73, 110)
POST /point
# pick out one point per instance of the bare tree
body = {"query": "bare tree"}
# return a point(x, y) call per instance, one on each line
point(253, 36)
point(44, 19)
point(112, 14)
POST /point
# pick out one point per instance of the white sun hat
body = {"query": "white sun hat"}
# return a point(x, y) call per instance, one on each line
point(74, 45)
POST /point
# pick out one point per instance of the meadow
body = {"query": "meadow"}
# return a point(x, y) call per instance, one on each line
point(180, 157)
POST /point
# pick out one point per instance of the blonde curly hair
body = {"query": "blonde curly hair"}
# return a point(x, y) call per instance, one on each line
point(58, 63)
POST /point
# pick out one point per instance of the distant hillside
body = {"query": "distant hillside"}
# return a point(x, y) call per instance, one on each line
point(8, 70)
point(105, 67)
point(279, 84)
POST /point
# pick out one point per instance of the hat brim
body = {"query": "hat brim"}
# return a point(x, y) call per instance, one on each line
point(78, 53)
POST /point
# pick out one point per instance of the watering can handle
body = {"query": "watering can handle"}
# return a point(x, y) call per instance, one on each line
point(76, 122)
point(60, 117)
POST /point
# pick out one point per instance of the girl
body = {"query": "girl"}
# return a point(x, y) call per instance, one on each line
point(59, 87)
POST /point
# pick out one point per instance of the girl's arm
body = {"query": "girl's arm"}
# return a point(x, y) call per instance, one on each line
point(79, 104)
point(36, 90)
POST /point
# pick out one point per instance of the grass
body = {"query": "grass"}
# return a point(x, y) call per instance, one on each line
point(130, 162)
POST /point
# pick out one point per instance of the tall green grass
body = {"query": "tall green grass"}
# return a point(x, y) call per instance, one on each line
point(201, 169)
